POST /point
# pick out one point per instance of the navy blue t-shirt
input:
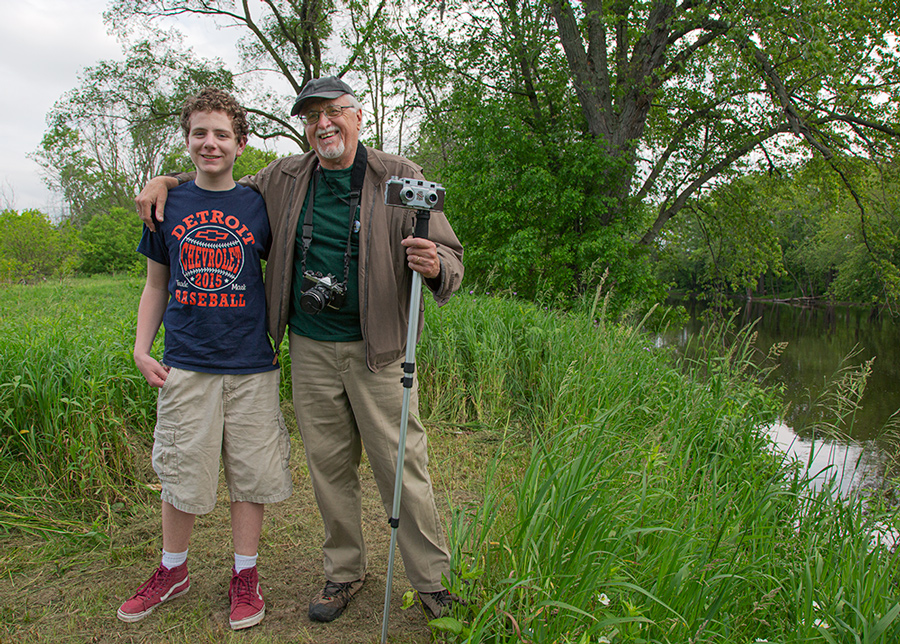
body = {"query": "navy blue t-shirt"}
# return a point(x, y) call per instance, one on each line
point(213, 242)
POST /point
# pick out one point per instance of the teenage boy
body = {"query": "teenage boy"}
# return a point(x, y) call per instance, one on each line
point(219, 375)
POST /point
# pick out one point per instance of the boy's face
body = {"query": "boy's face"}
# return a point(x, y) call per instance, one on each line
point(213, 145)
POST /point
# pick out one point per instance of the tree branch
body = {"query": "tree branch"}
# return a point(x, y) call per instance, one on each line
point(596, 54)
point(677, 139)
point(667, 212)
point(849, 119)
point(367, 34)
point(290, 131)
point(269, 47)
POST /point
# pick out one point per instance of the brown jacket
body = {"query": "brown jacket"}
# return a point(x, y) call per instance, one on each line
point(384, 277)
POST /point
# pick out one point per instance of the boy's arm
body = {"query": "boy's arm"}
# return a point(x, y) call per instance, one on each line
point(153, 304)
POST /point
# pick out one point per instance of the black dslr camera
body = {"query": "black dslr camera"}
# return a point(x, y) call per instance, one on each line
point(318, 291)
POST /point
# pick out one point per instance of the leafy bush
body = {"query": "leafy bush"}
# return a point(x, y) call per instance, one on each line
point(31, 247)
point(534, 215)
point(109, 242)
point(252, 161)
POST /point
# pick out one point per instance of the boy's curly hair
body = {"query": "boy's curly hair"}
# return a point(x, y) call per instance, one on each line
point(211, 99)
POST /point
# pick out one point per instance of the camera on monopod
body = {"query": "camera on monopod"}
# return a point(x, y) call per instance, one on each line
point(415, 194)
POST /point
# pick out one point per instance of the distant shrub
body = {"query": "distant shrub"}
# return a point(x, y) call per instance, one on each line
point(32, 247)
point(109, 241)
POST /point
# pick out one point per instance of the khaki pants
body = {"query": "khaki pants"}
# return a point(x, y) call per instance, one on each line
point(342, 406)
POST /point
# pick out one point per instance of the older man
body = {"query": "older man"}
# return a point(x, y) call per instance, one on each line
point(337, 278)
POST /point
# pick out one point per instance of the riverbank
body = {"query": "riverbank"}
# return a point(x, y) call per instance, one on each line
point(820, 301)
point(596, 489)
point(826, 356)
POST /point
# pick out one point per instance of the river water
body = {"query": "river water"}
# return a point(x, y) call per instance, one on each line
point(820, 342)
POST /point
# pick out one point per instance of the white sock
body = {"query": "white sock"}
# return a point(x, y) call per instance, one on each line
point(242, 562)
point(173, 559)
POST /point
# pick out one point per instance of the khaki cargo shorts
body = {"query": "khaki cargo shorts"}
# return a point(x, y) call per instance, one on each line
point(202, 416)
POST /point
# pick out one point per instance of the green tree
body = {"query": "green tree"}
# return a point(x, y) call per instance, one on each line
point(797, 234)
point(114, 131)
point(728, 239)
point(679, 97)
point(858, 238)
point(109, 238)
point(682, 96)
point(523, 205)
point(252, 160)
point(286, 37)
point(31, 247)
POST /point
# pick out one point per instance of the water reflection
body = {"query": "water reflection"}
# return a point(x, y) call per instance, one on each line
point(845, 466)
point(820, 342)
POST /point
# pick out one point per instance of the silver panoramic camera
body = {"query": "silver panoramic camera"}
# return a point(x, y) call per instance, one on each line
point(414, 193)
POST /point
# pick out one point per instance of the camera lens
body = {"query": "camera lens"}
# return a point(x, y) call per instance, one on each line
point(314, 300)
point(407, 195)
point(431, 197)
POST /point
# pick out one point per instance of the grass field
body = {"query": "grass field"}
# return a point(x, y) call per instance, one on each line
point(595, 491)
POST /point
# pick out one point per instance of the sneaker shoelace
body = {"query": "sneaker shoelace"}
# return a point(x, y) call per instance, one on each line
point(153, 585)
point(244, 589)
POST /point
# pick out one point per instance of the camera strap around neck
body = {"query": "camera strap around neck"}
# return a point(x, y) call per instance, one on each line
point(357, 176)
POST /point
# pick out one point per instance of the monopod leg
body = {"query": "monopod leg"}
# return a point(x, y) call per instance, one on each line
point(409, 368)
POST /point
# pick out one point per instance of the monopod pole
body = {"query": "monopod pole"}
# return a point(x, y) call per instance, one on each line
point(409, 369)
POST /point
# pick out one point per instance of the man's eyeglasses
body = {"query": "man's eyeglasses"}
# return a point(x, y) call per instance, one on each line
point(332, 112)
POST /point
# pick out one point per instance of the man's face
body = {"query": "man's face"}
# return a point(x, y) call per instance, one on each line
point(333, 139)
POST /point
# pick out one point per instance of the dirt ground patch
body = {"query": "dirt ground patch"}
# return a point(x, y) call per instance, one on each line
point(73, 598)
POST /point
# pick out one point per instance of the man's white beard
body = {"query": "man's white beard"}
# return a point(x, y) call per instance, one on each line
point(329, 151)
point(335, 152)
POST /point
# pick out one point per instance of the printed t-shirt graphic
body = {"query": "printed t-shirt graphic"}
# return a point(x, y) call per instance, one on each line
point(211, 258)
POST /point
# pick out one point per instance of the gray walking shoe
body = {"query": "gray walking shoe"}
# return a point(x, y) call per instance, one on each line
point(437, 604)
point(328, 605)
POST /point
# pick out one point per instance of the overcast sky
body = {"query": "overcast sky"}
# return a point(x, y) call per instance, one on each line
point(44, 44)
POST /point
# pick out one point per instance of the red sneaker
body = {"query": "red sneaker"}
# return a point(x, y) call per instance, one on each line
point(247, 605)
point(165, 584)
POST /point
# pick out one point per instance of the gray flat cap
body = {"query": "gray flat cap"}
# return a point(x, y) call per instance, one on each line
point(327, 87)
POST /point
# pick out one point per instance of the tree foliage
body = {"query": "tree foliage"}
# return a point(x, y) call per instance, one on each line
point(31, 247)
point(797, 234)
point(106, 243)
point(286, 43)
point(523, 204)
point(682, 96)
point(113, 132)
point(252, 161)
point(109, 242)
point(626, 113)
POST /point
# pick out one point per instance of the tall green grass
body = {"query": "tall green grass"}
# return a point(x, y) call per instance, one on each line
point(74, 410)
point(652, 508)
point(649, 506)
point(487, 361)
